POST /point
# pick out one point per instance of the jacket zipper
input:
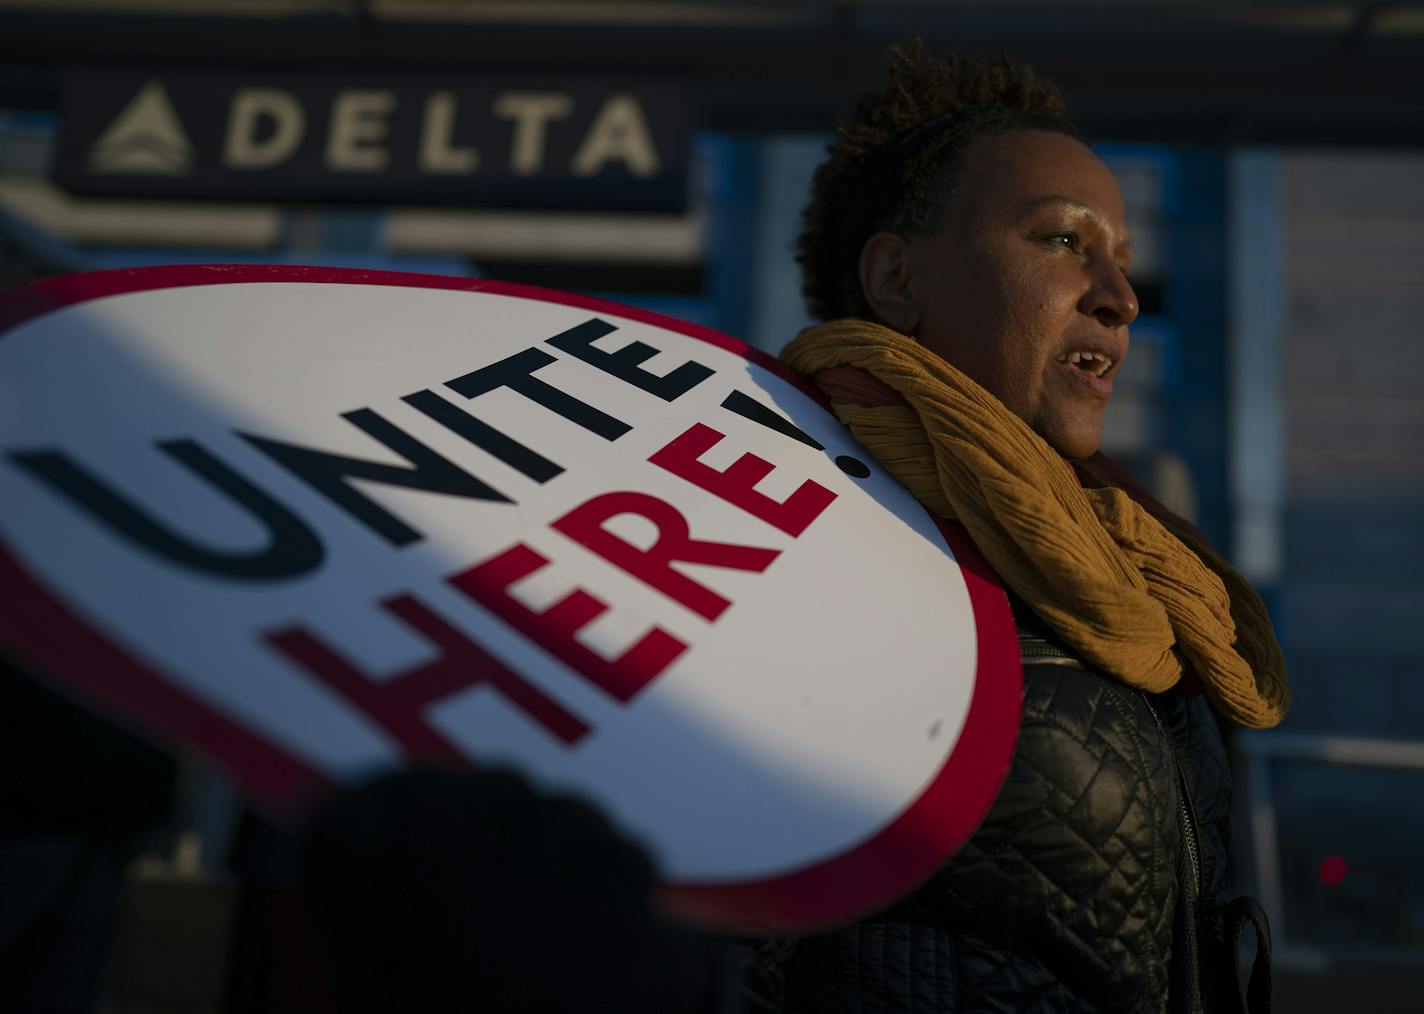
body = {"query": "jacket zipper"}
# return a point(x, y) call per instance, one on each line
point(1034, 650)
point(1192, 884)
point(1186, 813)
point(1189, 831)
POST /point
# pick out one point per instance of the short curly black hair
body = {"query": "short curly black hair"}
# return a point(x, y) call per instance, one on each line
point(895, 161)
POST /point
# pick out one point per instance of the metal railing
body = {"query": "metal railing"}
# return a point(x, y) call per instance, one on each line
point(1258, 749)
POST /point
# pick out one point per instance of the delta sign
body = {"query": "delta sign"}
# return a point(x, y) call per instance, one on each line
point(319, 523)
point(377, 136)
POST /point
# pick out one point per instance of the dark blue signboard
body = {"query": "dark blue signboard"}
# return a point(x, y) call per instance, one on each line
point(366, 136)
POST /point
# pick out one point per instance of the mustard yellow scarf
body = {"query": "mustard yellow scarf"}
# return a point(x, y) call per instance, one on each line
point(1131, 597)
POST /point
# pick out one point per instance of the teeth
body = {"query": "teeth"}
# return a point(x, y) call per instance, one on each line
point(1094, 362)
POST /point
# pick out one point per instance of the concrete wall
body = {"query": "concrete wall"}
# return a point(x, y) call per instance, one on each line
point(1350, 592)
point(1353, 396)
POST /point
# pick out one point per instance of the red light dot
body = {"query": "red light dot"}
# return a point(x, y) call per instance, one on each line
point(1333, 870)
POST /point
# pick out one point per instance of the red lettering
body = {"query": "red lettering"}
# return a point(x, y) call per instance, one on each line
point(399, 703)
point(674, 544)
point(554, 629)
point(737, 484)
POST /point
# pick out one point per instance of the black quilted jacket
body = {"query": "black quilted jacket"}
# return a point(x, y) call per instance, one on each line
point(1066, 899)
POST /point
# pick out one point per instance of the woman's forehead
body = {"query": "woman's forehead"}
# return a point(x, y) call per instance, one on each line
point(1021, 172)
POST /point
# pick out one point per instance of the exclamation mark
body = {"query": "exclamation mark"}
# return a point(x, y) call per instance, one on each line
point(749, 408)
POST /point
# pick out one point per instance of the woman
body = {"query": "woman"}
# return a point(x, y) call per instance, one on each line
point(971, 256)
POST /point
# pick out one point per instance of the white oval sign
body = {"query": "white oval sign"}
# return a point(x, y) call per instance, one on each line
point(322, 522)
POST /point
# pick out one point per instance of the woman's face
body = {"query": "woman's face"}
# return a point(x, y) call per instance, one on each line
point(1023, 286)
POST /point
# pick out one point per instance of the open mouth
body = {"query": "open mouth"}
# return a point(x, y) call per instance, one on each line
point(1089, 362)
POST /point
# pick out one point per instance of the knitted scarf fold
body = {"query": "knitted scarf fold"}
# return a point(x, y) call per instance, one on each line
point(1143, 603)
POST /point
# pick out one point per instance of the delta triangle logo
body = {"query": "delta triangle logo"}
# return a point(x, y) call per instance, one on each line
point(145, 139)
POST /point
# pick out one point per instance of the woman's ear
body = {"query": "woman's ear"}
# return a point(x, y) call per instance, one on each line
point(885, 280)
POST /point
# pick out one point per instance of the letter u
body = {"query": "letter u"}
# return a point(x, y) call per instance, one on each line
point(292, 548)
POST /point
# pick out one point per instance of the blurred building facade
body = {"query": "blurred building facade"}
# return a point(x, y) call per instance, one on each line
point(1273, 391)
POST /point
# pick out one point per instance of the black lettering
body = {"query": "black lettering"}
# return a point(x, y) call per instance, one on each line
point(517, 373)
point(749, 408)
point(292, 548)
point(626, 363)
point(483, 435)
point(330, 474)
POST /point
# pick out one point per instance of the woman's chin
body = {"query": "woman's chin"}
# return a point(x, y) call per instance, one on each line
point(1073, 439)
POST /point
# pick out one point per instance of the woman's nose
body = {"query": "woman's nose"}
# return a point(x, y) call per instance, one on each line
point(1111, 298)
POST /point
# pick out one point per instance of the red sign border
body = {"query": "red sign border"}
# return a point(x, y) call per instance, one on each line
point(886, 865)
